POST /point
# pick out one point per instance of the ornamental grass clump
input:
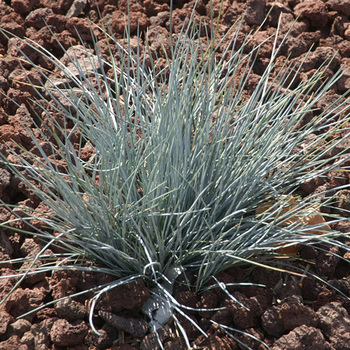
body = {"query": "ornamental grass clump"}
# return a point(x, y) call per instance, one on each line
point(181, 161)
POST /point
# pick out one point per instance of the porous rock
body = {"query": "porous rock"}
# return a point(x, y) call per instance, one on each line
point(255, 12)
point(41, 332)
point(63, 283)
point(334, 321)
point(301, 338)
point(23, 300)
point(37, 18)
point(339, 5)
point(285, 317)
point(13, 343)
point(70, 309)
point(327, 260)
point(118, 22)
point(314, 10)
point(5, 244)
point(5, 320)
point(64, 333)
point(19, 327)
point(77, 8)
point(129, 296)
point(136, 327)
point(23, 6)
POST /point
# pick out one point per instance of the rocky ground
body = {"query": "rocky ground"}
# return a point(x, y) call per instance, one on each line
point(288, 313)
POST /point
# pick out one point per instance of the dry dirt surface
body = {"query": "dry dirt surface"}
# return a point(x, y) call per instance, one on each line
point(288, 313)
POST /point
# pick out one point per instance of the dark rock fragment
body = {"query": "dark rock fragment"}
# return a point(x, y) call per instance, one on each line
point(287, 316)
point(302, 337)
point(136, 327)
point(334, 321)
point(314, 10)
point(64, 333)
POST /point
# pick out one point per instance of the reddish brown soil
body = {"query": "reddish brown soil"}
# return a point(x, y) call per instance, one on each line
point(288, 313)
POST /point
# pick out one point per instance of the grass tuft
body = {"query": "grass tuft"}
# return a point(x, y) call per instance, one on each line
point(181, 160)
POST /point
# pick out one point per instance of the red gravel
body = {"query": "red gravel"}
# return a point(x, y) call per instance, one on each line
point(285, 315)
